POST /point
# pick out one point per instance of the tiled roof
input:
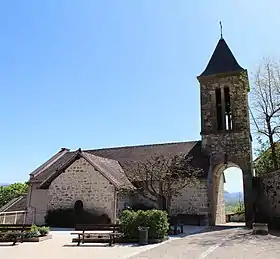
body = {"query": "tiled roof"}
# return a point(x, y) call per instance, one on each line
point(52, 167)
point(111, 169)
point(222, 61)
point(129, 156)
point(49, 162)
point(117, 162)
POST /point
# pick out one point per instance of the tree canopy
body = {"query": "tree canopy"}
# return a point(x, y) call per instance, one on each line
point(264, 163)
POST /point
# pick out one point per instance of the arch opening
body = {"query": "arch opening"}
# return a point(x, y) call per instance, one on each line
point(228, 194)
point(78, 207)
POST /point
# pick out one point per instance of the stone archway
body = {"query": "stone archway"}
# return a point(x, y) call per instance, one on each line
point(218, 187)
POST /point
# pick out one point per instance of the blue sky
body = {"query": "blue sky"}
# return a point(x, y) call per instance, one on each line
point(103, 73)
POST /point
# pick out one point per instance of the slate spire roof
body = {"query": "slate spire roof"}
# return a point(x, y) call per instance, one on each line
point(222, 61)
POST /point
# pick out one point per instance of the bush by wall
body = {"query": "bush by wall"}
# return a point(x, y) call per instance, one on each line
point(156, 220)
point(68, 218)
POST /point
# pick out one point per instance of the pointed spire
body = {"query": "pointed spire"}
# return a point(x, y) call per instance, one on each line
point(222, 60)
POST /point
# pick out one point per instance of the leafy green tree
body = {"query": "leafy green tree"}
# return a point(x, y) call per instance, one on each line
point(12, 191)
point(265, 161)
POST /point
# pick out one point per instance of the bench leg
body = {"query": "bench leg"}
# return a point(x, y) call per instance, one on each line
point(79, 241)
point(111, 241)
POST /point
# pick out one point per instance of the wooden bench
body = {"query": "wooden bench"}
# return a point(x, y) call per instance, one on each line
point(14, 230)
point(87, 234)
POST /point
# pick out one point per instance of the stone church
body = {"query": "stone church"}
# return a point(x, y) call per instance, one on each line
point(96, 178)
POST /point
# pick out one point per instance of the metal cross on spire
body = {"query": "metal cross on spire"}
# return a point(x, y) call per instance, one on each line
point(221, 28)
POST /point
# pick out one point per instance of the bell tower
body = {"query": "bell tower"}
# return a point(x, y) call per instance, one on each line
point(225, 122)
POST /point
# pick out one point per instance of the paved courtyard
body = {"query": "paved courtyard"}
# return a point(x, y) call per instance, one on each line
point(234, 243)
point(215, 243)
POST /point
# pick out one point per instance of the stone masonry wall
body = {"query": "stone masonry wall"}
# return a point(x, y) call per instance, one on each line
point(236, 142)
point(82, 182)
point(268, 199)
point(220, 217)
point(193, 200)
point(123, 199)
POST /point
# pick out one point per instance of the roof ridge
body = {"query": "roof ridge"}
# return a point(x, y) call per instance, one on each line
point(144, 145)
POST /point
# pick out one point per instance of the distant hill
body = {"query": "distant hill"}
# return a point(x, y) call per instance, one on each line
point(233, 197)
point(4, 184)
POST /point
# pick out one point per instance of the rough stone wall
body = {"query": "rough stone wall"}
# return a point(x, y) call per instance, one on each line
point(238, 99)
point(193, 200)
point(82, 182)
point(123, 199)
point(220, 217)
point(236, 143)
point(268, 199)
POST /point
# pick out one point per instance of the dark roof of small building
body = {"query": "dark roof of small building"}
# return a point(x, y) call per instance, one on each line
point(119, 161)
point(16, 204)
point(222, 61)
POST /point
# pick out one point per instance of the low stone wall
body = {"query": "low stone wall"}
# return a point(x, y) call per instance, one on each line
point(37, 239)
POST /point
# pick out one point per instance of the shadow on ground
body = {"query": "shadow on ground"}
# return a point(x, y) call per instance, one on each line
point(102, 245)
point(8, 244)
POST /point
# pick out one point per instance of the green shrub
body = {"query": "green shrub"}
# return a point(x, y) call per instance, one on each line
point(156, 220)
point(67, 218)
point(44, 230)
point(30, 234)
point(10, 235)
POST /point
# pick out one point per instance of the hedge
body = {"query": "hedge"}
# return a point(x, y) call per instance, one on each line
point(156, 220)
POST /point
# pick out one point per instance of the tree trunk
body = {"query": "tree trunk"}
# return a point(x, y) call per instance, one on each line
point(168, 205)
point(272, 145)
point(161, 202)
